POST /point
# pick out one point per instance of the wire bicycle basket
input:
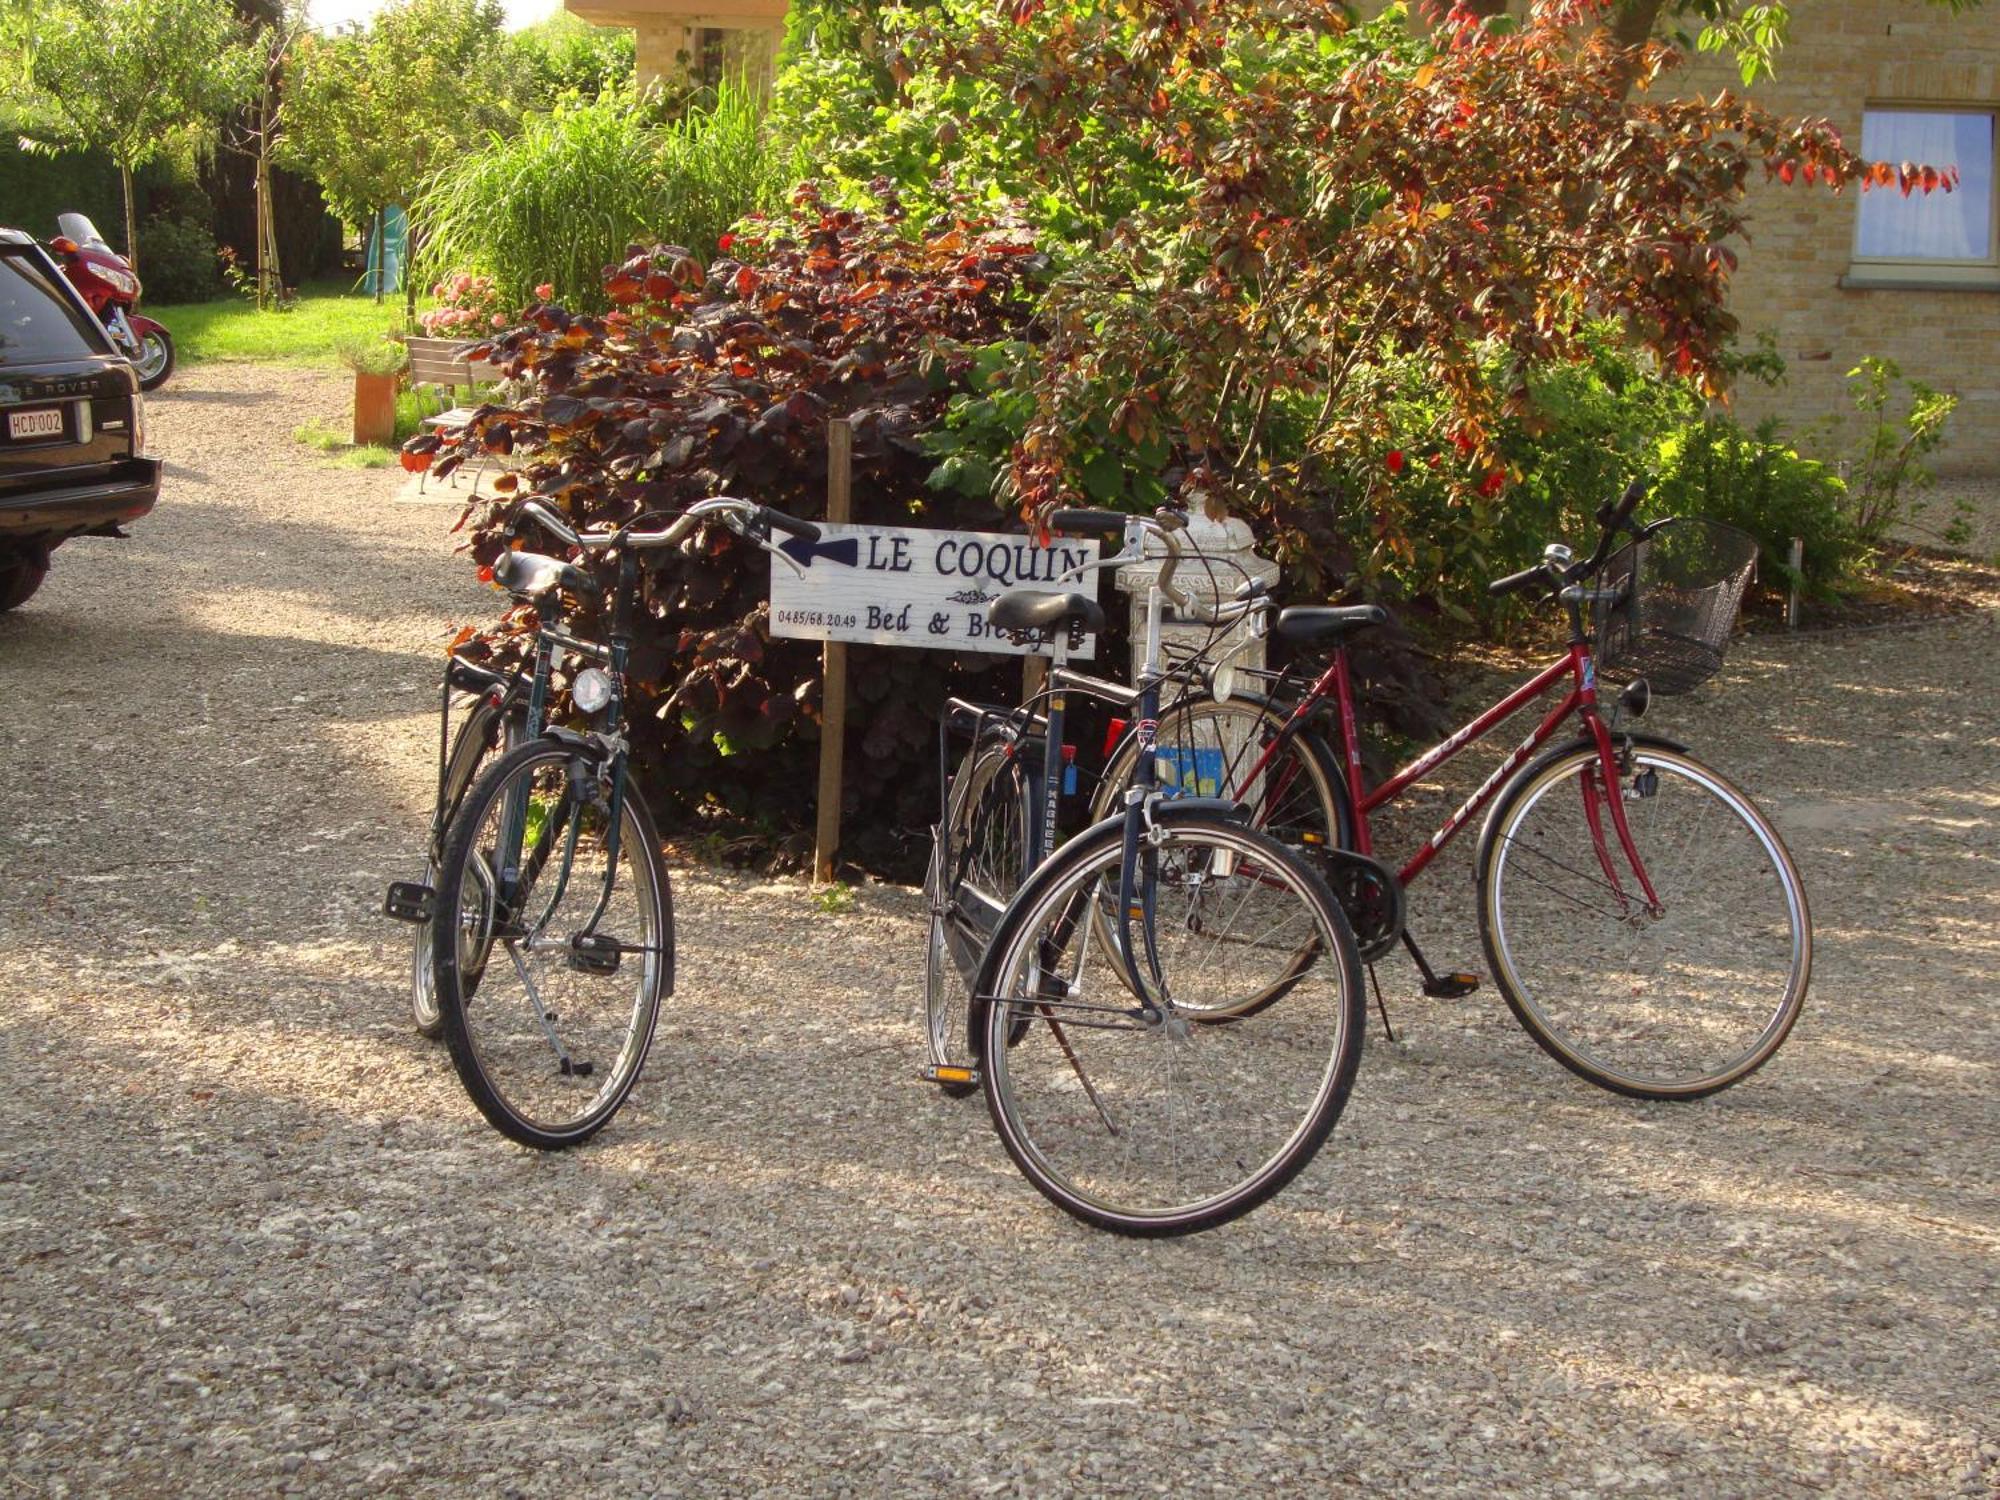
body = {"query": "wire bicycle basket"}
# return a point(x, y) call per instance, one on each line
point(1677, 593)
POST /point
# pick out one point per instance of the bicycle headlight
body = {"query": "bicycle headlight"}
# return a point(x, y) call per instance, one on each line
point(592, 689)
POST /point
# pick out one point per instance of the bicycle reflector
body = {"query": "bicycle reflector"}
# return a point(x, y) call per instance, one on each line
point(591, 691)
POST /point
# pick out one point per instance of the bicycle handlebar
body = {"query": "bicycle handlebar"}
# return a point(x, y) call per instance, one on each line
point(1513, 583)
point(1095, 521)
point(762, 521)
point(1613, 516)
point(1162, 523)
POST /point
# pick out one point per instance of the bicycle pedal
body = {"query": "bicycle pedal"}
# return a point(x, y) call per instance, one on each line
point(408, 901)
point(1451, 986)
point(577, 1069)
point(594, 953)
point(950, 1074)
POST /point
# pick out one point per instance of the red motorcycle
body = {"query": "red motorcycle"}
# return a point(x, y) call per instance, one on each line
point(106, 281)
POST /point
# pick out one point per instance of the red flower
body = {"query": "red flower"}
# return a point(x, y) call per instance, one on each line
point(1395, 460)
point(725, 242)
point(1492, 484)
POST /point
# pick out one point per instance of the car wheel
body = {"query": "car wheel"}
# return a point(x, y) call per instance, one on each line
point(20, 576)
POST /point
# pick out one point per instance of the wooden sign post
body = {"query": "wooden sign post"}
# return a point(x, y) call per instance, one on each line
point(897, 586)
point(833, 660)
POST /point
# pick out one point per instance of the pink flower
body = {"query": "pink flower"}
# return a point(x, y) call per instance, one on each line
point(499, 320)
point(545, 290)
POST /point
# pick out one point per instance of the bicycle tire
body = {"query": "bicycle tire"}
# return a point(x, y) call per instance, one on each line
point(1684, 1000)
point(976, 866)
point(479, 735)
point(1086, 1093)
point(534, 1084)
point(1300, 798)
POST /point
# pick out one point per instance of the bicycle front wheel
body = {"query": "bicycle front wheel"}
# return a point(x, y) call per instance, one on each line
point(1667, 998)
point(564, 950)
point(1125, 1097)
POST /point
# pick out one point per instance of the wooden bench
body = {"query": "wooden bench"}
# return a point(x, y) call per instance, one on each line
point(441, 363)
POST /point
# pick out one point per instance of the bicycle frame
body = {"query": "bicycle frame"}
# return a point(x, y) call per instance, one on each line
point(1336, 683)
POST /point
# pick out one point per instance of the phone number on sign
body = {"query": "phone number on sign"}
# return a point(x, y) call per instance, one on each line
point(817, 618)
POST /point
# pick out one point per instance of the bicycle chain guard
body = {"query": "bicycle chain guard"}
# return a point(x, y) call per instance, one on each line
point(1370, 894)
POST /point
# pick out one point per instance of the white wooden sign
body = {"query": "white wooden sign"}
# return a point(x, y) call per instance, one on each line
point(903, 586)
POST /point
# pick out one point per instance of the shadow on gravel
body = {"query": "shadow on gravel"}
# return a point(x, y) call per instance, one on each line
point(227, 673)
point(244, 552)
point(197, 395)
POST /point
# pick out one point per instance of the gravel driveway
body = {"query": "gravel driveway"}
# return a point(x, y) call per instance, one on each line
point(257, 1240)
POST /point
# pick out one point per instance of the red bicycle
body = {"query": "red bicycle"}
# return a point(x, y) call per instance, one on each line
point(1643, 919)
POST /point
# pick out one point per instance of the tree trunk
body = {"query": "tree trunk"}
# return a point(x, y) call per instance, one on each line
point(1631, 25)
point(131, 220)
point(409, 281)
point(270, 277)
point(380, 241)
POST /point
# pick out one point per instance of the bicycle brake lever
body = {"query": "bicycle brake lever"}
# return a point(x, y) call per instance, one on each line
point(798, 569)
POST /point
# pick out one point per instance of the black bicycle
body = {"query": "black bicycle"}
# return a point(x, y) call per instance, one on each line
point(550, 919)
point(1122, 1016)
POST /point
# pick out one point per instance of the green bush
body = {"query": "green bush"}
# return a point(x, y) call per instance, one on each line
point(562, 201)
point(1889, 460)
point(1760, 484)
point(177, 261)
point(568, 55)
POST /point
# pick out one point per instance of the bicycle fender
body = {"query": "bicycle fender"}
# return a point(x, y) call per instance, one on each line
point(1535, 768)
point(1215, 807)
point(587, 745)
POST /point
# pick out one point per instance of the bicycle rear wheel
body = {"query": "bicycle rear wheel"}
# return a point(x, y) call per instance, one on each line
point(551, 993)
point(1673, 1001)
point(1209, 747)
point(1161, 1118)
point(976, 866)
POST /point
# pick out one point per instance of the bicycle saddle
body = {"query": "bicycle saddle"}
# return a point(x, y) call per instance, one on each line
point(1025, 609)
point(529, 576)
point(1325, 627)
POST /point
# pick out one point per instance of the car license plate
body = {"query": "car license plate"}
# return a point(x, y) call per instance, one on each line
point(35, 424)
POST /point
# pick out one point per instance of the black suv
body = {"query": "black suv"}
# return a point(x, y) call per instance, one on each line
point(72, 422)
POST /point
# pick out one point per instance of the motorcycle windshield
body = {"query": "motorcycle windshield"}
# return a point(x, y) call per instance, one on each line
point(79, 228)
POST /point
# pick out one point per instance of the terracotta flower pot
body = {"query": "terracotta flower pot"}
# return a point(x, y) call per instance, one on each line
point(374, 409)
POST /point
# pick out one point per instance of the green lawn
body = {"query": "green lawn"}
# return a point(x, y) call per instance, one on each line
point(327, 315)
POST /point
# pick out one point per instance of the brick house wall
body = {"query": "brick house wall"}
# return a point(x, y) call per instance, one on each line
point(1798, 277)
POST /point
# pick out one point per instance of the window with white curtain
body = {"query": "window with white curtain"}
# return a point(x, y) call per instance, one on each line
point(1937, 229)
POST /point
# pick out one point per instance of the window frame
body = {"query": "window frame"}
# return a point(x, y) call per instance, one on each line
point(1930, 273)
